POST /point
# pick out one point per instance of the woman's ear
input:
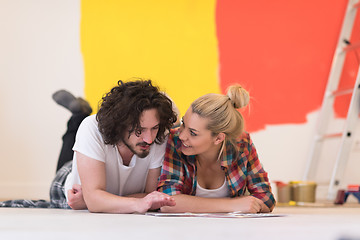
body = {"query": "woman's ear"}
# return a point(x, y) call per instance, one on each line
point(219, 138)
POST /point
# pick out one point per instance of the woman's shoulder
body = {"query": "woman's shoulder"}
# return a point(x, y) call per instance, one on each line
point(174, 131)
point(241, 149)
point(174, 135)
point(173, 142)
point(243, 144)
point(244, 139)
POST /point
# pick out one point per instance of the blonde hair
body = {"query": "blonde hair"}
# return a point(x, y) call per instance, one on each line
point(221, 110)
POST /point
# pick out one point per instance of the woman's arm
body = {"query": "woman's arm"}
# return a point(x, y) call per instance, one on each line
point(188, 203)
point(257, 178)
point(93, 179)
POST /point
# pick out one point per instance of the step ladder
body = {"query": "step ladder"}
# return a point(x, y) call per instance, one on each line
point(326, 112)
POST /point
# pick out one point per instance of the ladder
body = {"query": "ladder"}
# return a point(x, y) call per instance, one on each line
point(326, 111)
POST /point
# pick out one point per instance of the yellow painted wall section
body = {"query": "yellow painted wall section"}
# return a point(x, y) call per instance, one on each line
point(171, 42)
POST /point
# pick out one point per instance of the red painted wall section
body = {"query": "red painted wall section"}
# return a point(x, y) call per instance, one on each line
point(281, 51)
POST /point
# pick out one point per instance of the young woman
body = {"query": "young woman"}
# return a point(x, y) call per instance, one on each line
point(210, 164)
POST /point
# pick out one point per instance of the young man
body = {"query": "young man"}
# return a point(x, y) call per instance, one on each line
point(118, 153)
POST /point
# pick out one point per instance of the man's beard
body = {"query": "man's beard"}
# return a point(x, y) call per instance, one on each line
point(141, 153)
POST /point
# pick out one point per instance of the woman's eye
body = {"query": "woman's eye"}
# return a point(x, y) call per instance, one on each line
point(192, 133)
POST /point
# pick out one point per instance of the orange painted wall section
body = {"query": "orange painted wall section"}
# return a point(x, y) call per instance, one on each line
point(281, 51)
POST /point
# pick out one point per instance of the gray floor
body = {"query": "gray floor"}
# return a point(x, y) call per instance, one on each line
point(299, 223)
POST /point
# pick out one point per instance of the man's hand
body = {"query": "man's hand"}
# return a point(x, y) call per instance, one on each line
point(76, 198)
point(155, 200)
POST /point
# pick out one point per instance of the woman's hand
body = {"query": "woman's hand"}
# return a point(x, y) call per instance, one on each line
point(249, 204)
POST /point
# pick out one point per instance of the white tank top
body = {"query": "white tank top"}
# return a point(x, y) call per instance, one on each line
point(220, 192)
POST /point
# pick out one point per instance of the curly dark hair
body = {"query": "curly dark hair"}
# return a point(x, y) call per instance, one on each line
point(122, 107)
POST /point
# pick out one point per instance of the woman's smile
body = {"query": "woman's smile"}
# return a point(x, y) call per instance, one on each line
point(187, 146)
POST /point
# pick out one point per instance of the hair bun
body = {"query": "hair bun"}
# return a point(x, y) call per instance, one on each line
point(239, 97)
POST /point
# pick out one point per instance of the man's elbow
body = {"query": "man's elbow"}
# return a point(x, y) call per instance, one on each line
point(94, 209)
point(93, 206)
point(74, 207)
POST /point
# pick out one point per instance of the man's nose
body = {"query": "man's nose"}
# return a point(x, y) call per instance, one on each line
point(148, 137)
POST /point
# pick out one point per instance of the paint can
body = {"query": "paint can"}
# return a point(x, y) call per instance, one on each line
point(302, 191)
point(283, 192)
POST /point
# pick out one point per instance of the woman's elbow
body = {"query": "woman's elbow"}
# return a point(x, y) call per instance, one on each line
point(167, 209)
point(265, 209)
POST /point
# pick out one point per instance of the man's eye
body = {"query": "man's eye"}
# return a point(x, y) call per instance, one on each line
point(138, 133)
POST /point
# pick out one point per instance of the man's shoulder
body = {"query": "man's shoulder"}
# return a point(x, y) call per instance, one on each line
point(89, 129)
point(90, 119)
point(89, 122)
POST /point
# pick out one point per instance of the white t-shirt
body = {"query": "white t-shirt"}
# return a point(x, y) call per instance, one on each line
point(120, 180)
point(220, 192)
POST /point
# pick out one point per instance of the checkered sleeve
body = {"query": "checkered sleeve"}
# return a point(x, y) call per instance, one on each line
point(172, 173)
point(257, 179)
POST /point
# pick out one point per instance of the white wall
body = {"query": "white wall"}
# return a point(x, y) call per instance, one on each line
point(39, 54)
point(285, 149)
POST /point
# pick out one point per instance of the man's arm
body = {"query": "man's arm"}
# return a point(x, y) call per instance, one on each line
point(76, 198)
point(188, 203)
point(151, 183)
point(152, 179)
point(93, 179)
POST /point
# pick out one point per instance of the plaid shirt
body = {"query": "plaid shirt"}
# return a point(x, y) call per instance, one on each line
point(242, 170)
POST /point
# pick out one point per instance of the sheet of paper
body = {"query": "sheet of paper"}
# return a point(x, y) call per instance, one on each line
point(216, 215)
